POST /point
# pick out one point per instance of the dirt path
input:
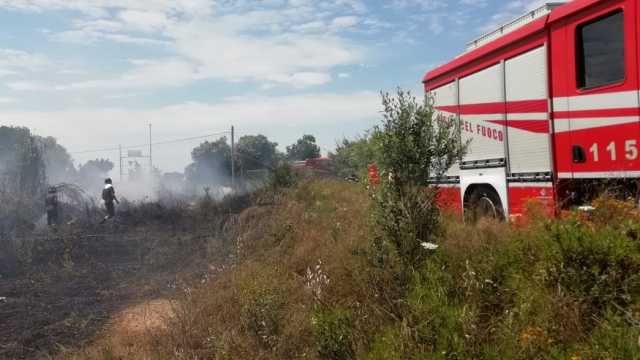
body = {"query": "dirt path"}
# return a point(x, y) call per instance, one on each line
point(129, 335)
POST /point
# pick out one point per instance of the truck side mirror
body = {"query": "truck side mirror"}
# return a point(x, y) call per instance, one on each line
point(579, 156)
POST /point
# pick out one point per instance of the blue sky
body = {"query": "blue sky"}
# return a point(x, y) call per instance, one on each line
point(95, 73)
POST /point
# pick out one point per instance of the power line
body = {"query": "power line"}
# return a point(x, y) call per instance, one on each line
point(153, 144)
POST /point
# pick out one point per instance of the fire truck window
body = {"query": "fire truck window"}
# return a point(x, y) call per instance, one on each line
point(601, 51)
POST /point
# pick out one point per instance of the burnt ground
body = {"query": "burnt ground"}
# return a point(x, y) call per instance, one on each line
point(72, 283)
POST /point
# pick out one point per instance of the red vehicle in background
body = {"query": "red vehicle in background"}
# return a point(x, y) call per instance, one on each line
point(313, 167)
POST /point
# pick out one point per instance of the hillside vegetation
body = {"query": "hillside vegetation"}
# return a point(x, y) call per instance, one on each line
point(332, 270)
point(310, 281)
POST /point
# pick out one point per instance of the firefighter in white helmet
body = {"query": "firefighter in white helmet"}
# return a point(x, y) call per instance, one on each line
point(109, 197)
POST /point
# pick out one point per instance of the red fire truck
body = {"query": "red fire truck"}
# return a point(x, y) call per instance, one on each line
point(549, 105)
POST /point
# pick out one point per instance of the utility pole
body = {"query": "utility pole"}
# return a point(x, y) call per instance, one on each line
point(150, 159)
point(120, 147)
point(233, 158)
point(150, 151)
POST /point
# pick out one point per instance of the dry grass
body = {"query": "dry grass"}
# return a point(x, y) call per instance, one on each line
point(305, 284)
point(129, 335)
point(262, 308)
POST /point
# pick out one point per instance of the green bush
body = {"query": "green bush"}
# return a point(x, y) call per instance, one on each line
point(436, 316)
point(408, 217)
point(352, 157)
point(415, 148)
point(388, 345)
point(283, 176)
point(334, 334)
point(262, 303)
point(613, 339)
point(599, 266)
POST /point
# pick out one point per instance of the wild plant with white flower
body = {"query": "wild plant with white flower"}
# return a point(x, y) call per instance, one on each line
point(316, 280)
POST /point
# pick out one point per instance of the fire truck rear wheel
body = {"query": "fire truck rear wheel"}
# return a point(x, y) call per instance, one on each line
point(484, 203)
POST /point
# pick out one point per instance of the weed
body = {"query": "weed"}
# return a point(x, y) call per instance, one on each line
point(334, 333)
point(283, 177)
point(599, 266)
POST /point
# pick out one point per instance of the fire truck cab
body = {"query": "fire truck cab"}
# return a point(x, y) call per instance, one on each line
point(549, 106)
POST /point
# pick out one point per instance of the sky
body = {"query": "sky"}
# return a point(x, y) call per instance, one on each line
point(95, 73)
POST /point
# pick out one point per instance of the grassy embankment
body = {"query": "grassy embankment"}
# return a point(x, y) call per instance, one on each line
point(307, 283)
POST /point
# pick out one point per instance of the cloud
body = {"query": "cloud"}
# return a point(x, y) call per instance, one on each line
point(90, 37)
point(17, 61)
point(295, 43)
point(100, 8)
point(94, 30)
point(511, 10)
point(6, 72)
point(424, 4)
point(145, 21)
point(7, 100)
point(146, 74)
point(474, 3)
point(27, 86)
point(282, 58)
point(344, 22)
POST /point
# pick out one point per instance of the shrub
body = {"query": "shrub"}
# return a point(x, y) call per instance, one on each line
point(283, 177)
point(613, 339)
point(389, 344)
point(436, 316)
point(262, 301)
point(599, 266)
point(408, 217)
point(414, 148)
point(333, 331)
point(352, 157)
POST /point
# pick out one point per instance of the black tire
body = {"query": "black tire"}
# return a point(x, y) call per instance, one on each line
point(483, 203)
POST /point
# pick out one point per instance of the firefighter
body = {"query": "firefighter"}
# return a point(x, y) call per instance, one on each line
point(109, 197)
point(51, 205)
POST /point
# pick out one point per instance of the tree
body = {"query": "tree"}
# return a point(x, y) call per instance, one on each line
point(415, 147)
point(100, 167)
point(352, 157)
point(22, 180)
point(10, 138)
point(256, 152)
point(93, 172)
point(211, 163)
point(58, 162)
point(305, 148)
point(22, 167)
point(31, 170)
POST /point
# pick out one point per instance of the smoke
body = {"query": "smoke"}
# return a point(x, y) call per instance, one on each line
point(29, 164)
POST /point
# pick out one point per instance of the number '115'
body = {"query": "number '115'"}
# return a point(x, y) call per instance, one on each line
point(630, 150)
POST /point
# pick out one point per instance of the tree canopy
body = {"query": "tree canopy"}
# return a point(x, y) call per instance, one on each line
point(211, 163)
point(212, 159)
point(256, 152)
point(58, 161)
point(351, 157)
point(97, 166)
point(31, 161)
point(93, 172)
point(305, 148)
